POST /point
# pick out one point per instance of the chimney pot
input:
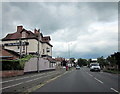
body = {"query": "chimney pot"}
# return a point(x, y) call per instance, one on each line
point(36, 31)
point(19, 28)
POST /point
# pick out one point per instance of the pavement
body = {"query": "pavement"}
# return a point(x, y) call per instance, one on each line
point(82, 80)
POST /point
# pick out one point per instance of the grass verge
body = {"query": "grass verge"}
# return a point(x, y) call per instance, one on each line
point(112, 71)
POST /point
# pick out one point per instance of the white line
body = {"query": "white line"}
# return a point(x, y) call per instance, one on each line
point(11, 86)
point(98, 80)
point(114, 90)
point(19, 78)
point(28, 81)
point(90, 75)
point(6, 81)
point(22, 78)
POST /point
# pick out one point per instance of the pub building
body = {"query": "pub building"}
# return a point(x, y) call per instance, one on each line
point(26, 42)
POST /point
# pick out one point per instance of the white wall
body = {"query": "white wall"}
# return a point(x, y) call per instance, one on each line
point(33, 45)
point(31, 65)
point(44, 46)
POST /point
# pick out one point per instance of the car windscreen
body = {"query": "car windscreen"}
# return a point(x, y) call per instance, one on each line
point(94, 64)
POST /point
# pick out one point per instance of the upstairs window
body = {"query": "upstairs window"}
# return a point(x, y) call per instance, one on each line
point(23, 34)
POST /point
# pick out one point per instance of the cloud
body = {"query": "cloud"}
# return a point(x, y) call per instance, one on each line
point(89, 29)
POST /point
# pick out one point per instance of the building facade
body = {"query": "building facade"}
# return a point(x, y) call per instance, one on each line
point(26, 42)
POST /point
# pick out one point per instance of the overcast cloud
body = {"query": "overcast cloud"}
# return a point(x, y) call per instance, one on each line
point(87, 30)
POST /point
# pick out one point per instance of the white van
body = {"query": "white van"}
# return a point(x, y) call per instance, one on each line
point(95, 67)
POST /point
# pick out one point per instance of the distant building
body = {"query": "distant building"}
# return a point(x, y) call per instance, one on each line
point(59, 61)
point(26, 42)
point(93, 60)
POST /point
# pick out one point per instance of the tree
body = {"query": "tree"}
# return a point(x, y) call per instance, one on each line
point(82, 62)
point(89, 61)
point(114, 60)
point(63, 63)
point(102, 61)
point(72, 60)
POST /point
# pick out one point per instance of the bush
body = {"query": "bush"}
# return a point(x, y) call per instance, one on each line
point(10, 65)
point(15, 64)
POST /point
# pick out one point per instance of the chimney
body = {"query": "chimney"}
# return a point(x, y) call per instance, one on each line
point(36, 31)
point(19, 28)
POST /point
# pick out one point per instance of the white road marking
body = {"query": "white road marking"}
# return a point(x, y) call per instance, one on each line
point(98, 80)
point(11, 86)
point(114, 90)
point(6, 81)
point(90, 75)
point(27, 81)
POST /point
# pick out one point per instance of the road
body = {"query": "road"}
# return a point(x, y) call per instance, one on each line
point(62, 81)
point(83, 81)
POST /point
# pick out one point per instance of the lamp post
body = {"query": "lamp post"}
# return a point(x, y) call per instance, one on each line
point(20, 45)
point(69, 52)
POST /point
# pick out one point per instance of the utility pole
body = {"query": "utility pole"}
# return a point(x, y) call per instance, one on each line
point(20, 45)
point(38, 52)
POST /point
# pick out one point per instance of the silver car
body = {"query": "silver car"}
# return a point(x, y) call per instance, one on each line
point(77, 67)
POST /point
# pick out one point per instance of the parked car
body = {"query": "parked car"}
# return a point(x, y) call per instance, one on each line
point(94, 67)
point(77, 67)
point(64, 67)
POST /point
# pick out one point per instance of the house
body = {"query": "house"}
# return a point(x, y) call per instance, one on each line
point(26, 42)
point(59, 61)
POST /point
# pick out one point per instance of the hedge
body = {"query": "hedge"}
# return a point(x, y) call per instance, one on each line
point(15, 64)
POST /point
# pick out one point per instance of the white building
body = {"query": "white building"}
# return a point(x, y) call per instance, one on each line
point(26, 42)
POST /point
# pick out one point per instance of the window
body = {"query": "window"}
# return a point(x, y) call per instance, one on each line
point(18, 47)
point(23, 47)
point(23, 34)
point(43, 51)
point(48, 49)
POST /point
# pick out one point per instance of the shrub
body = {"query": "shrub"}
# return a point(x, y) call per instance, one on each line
point(15, 64)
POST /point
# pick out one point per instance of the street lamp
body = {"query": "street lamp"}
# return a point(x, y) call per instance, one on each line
point(69, 52)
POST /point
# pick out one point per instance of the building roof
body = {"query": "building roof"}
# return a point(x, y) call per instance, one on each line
point(8, 54)
point(18, 35)
point(60, 59)
point(52, 60)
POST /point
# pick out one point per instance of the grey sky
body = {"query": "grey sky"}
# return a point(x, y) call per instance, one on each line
point(89, 29)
